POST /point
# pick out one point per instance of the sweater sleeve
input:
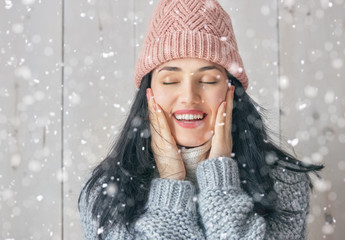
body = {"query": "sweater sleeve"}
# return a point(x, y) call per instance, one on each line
point(292, 195)
point(226, 210)
point(171, 214)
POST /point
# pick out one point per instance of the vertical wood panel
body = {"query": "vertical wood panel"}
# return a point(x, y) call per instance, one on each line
point(312, 82)
point(99, 84)
point(30, 123)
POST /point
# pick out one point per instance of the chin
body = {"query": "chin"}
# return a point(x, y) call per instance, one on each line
point(190, 142)
point(193, 141)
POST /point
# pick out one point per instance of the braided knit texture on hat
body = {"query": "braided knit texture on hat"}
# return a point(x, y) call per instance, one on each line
point(190, 29)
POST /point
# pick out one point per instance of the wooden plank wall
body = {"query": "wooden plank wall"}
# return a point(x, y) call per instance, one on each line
point(57, 121)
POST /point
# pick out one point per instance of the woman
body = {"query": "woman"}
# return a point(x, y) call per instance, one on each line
point(194, 159)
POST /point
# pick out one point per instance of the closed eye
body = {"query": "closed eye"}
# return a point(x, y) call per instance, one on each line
point(166, 83)
point(209, 82)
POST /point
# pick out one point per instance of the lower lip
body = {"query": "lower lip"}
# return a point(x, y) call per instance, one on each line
point(190, 124)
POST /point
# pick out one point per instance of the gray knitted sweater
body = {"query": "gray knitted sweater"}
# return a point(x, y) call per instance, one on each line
point(220, 210)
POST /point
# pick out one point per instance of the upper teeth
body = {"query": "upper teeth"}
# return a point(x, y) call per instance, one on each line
point(189, 116)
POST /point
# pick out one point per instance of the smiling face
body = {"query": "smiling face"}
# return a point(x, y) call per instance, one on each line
point(190, 87)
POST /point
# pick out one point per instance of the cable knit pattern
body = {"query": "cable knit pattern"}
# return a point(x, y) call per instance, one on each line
point(223, 208)
point(190, 28)
point(220, 186)
point(293, 195)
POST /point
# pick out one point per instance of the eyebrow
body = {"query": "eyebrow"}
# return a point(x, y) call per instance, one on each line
point(176, 69)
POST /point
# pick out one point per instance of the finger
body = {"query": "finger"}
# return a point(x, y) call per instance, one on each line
point(162, 123)
point(164, 126)
point(152, 115)
point(220, 121)
point(229, 107)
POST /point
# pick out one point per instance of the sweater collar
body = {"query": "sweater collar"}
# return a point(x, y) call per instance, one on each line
point(191, 158)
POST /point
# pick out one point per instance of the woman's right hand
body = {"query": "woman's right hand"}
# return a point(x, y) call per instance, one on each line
point(167, 156)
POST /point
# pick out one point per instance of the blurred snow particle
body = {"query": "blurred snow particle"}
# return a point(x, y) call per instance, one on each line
point(23, 72)
point(210, 4)
point(284, 82)
point(293, 142)
point(329, 97)
point(289, 3)
point(317, 158)
point(100, 230)
point(310, 91)
point(7, 194)
point(327, 229)
point(88, 60)
point(15, 160)
point(108, 55)
point(17, 28)
point(48, 51)
point(322, 185)
point(9, 4)
point(271, 158)
point(320, 13)
point(263, 91)
point(16, 211)
point(325, 4)
point(61, 176)
point(300, 106)
point(337, 63)
point(117, 105)
point(34, 166)
point(36, 38)
point(265, 10)
point(136, 122)
point(223, 39)
point(250, 33)
point(28, 2)
point(74, 98)
point(28, 100)
point(39, 95)
point(39, 198)
point(111, 189)
point(145, 133)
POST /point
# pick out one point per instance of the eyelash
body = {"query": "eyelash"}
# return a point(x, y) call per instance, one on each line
point(201, 82)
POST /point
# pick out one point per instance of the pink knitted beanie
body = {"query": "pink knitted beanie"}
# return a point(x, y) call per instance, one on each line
point(190, 28)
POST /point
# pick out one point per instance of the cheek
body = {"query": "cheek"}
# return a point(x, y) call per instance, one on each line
point(162, 98)
point(214, 99)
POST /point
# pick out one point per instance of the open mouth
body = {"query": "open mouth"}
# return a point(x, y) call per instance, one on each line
point(190, 117)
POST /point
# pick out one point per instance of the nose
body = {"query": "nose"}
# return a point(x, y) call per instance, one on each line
point(190, 94)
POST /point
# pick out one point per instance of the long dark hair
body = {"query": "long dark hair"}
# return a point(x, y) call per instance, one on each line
point(129, 167)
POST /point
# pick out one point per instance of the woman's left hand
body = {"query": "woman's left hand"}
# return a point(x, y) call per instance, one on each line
point(222, 138)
